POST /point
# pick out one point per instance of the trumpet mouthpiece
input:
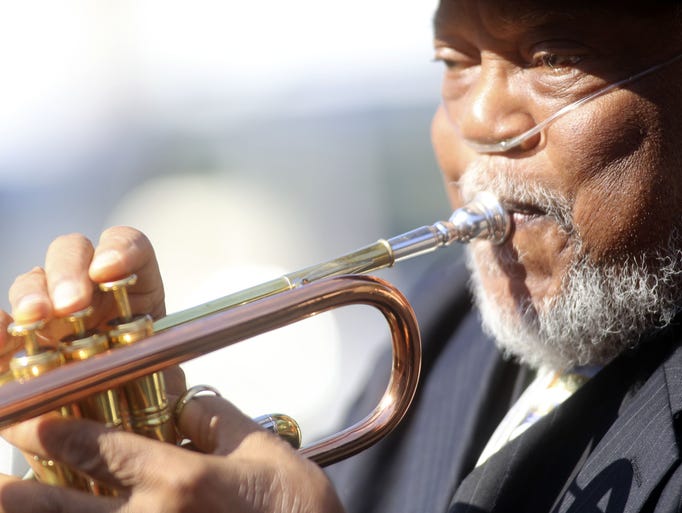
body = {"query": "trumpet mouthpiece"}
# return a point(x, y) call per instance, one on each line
point(484, 217)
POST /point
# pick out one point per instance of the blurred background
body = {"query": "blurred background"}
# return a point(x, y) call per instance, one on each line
point(247, 139)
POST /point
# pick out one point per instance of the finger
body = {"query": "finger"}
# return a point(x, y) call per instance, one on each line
point(25, 496)
point(8, 345)
point(260, 469)
point(66, 272)
point(214, 425)
point(29, 298)
point(174, 378)
point(123, 251)
point(114, 458)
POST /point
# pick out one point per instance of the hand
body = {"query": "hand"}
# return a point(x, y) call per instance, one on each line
point(68, 283)
point(72, 267)
point(245, 469)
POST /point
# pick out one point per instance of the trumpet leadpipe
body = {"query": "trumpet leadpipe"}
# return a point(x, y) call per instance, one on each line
point(482, 218)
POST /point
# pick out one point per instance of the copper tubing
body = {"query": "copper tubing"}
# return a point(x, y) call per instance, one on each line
point(73, 382)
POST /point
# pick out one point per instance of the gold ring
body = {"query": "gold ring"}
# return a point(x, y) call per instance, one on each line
point(190, 394)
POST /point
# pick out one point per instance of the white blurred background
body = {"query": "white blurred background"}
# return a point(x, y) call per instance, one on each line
point(246, 139)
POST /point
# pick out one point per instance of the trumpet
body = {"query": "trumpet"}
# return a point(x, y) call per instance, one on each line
point(184, 335)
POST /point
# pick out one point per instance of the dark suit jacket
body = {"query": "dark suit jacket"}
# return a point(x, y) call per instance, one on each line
point(611, 447)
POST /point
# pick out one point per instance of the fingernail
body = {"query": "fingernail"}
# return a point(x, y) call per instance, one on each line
point(31, 307)
point(105, 259)
point(65, 294)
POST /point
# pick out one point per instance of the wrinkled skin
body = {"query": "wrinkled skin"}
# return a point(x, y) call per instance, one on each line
point(614, 160)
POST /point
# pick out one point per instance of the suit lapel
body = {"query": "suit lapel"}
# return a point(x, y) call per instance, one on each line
point(633, 457)
point(605, 449)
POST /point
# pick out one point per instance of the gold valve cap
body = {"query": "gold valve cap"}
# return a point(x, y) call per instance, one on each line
point(77, 321)
point(28, 366)
point(82, 343)
point(120, 291)
point(283, 426)
point(27, 330)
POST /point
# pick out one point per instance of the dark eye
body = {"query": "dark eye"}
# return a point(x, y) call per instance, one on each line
point(554, 61)
point(452, 59)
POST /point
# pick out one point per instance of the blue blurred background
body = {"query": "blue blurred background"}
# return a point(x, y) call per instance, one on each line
point(245, 138)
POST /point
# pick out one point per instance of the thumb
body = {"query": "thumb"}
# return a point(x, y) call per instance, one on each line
point(112, 457)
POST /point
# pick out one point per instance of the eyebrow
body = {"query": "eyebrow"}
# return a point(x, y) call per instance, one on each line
point(510, 19)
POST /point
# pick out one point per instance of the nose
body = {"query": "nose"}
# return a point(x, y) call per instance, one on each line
point(493, 111)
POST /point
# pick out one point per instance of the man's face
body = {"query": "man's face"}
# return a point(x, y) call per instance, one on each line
point(599, 184)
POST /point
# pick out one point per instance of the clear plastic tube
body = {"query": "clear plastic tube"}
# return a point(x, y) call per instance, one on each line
point(512, 142)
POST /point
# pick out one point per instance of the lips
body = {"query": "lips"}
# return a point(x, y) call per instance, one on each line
point(523, 212)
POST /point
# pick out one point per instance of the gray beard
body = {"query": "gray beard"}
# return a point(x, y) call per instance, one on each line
point(600, 312)
point(601, 309)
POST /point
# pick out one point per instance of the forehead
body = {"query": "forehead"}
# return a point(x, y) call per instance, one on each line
point(505, 16)
point(625, 31)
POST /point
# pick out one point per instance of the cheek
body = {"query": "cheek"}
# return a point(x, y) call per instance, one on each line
point(617, 181)
point(452, 156)
point(526, 271)
point(619, 216)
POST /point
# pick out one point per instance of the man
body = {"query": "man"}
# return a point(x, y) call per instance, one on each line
point(586, 290)
point(591, 270)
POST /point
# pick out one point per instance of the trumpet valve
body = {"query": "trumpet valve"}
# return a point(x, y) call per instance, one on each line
point(82, 343)
point(127, 328)
point(77, 321)
point(35, 359)
point(119, 289)
point(283, 426)
point(27, 331)
point(148, 410)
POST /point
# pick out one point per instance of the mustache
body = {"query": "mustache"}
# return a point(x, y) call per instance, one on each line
point(517, 195)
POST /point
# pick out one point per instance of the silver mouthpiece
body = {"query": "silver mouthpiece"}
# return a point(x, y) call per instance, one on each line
point(482, 218)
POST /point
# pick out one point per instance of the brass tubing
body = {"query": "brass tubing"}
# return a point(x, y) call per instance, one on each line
point(36, 361)
point(146, 403)
point(482, 218)
point(180, 337)
point(371, 258)
point(72, 383)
